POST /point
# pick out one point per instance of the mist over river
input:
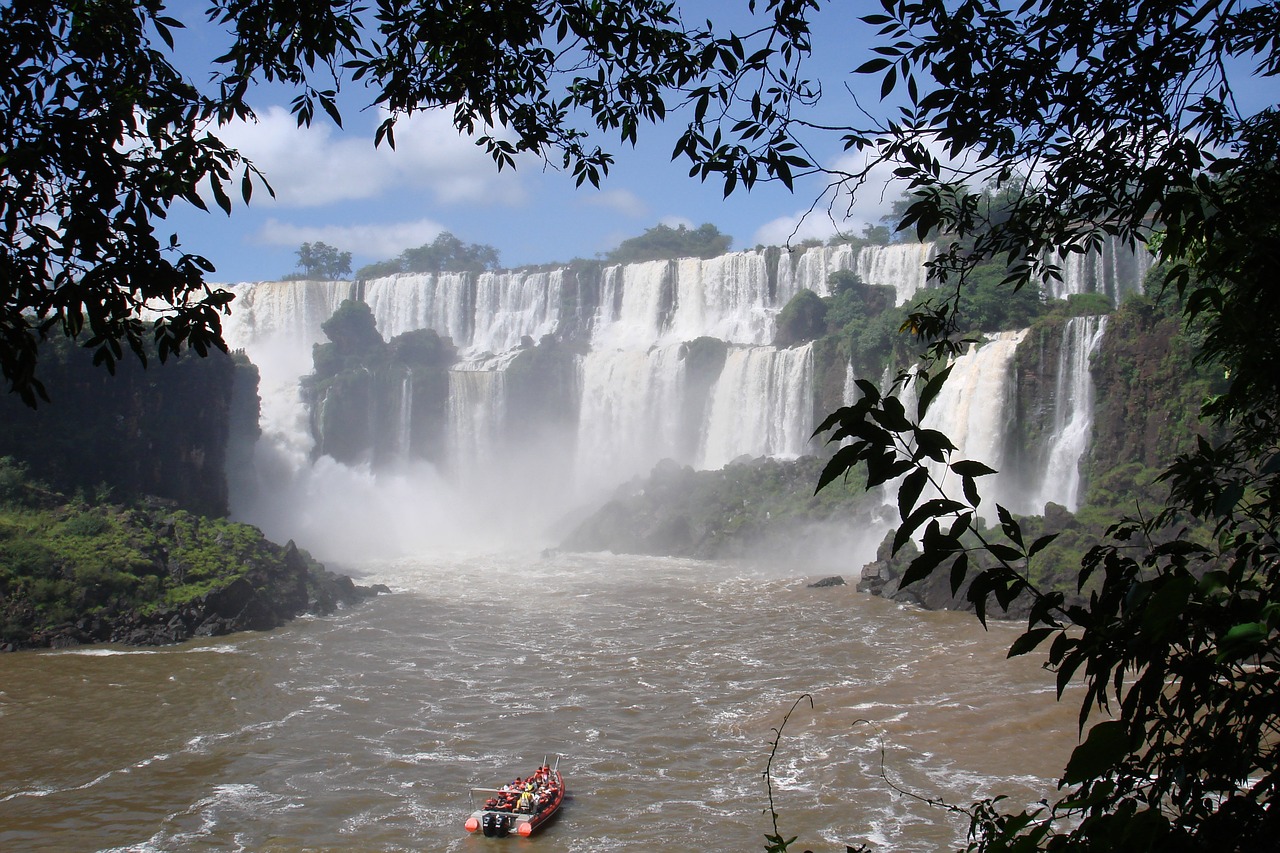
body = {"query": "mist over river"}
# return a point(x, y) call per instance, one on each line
point(657, 681)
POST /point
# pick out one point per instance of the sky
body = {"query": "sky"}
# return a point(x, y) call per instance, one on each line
point(333, 185)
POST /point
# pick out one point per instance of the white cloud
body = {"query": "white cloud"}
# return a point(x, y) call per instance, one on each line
point(622, 201)
point(378, 241)
point(838, 211)
point(318, 165)
point(673, 221)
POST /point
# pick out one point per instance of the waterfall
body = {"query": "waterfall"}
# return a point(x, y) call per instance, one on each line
point(282, 312)
point(809, 269)
point(477, 409)
point(849, 391)
point(342, 512)
point(276, 323)
point(725, 297)
point(972, 409)
point(1073, 414)
point(404, 419)
point(762, 405)
point(514, 305)
point(609, 388)
point(1114, 271)
point(408, 301)
point(630, 414)
point(633, 301)
point(900, 266)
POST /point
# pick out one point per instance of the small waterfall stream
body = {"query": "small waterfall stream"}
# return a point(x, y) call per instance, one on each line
point(1073, 414)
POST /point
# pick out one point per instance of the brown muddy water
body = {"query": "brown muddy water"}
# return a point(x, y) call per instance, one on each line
point(658, 683)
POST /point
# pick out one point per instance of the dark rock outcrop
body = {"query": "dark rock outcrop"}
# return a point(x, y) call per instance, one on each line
point(162, 430)
point(834, 580)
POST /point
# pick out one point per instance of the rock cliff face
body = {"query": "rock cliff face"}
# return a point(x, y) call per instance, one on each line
point(752, 510)
point(378, 402)
point(162, 430)
point(1149, 390)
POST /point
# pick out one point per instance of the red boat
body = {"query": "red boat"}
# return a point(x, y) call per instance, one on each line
point(519, 807)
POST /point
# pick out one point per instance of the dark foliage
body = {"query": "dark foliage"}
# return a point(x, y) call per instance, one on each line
point(803, 318)
point(323, 262)
point(444, 254)
point(662, 242)
point(1127, 112)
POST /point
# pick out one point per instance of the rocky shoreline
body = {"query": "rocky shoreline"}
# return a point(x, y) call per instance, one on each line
point(148, 574)
point(258, 601)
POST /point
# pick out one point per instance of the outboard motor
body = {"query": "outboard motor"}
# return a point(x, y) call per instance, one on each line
point(489, 824)
point(504, 827)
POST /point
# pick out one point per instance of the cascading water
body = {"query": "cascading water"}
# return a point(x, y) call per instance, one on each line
point(725, 297)
point(1115, 272)
point(476, 415)
point(1073, 414)
point(440, 301)
point(633, 301)
point(630, 413)
point(404, 419)
point(849, 391)
point(514, 305)
point(972, 408)
point(342, 511)
point(810, 269)
point(276, 323)
point(634, 380)
point(762, 406)
point(900, 266)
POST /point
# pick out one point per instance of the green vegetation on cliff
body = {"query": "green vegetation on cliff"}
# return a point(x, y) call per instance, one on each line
point(662, 242)
point(87, 570)
point(446, 253)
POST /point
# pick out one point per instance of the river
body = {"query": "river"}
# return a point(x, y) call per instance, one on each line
point(657, 682)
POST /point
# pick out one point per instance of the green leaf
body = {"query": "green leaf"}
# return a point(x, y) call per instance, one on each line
point(1242, 640)
point(1161, 611)
point(1106, 745)
point(930, 391)
point(1029, 641)
point(969, 468)
point(1040, 544)
point(909, 491)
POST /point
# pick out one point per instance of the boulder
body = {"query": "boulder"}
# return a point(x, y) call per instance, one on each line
point(834, 580)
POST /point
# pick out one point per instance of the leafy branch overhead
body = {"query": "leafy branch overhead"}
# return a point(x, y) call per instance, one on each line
point(103, 135)
point(1125, 121)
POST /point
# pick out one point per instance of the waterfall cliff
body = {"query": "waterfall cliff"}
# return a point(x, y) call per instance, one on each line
point(564, 383)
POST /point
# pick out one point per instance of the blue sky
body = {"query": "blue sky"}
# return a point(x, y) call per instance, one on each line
point(333, 185)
